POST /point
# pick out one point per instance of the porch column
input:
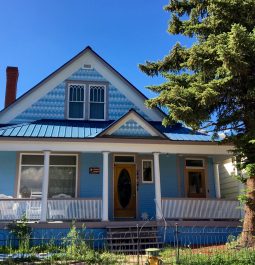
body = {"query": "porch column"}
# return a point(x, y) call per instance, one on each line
point(157, 186)
point(217, 180)
point(105, 186)
point(45, 186)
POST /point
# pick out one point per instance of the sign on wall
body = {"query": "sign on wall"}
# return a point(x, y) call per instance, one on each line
point(94, 170)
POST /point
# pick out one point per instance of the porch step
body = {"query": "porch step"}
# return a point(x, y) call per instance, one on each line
point(133, 239)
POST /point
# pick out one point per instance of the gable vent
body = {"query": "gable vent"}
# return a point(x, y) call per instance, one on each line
point(86, 66)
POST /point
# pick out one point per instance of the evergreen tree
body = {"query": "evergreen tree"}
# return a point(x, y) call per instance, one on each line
point(212, 84)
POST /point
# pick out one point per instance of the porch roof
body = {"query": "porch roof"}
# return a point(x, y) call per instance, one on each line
point(90, 129)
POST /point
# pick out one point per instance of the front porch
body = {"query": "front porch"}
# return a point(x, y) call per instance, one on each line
point(163, 182)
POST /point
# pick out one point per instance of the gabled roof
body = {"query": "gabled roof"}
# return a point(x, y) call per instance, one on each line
point(137, 120)
point(87, 56)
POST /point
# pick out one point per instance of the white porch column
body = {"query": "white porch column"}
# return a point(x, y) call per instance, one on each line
point(157, 186)
point(45, 186)
point(217, 180)
point(105, 186)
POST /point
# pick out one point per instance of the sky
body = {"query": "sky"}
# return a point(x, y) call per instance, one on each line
point(40, 36)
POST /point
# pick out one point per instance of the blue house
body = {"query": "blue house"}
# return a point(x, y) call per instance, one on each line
point(81, 145)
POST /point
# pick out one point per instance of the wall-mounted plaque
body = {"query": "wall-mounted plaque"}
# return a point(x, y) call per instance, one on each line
point(94, 170)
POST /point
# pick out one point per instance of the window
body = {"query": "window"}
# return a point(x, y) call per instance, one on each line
point(76, 102)
point(62, 175)
point(147, 171)
point(96, 102)
point(124, 159)
point(195, 163)
point(31, 174)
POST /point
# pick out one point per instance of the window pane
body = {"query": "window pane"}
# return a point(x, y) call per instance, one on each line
point(76, 93)
point(96, 111)
point(32, 160)
point(97, 94)
point(30, 180)
point(128, 159)
point(76, 109)
point(62, 160)
point(194, 163)
point(147, 171)
point(62, 181)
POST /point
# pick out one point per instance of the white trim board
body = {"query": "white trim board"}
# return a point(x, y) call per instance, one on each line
point(94, 146)
point(88, 56)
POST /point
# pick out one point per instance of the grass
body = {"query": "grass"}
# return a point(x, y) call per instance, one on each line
point(209, 256)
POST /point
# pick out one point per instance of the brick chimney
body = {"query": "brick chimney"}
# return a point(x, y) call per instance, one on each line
point(12, 74)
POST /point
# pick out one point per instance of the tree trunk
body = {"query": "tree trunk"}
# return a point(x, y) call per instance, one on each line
point(248, 234)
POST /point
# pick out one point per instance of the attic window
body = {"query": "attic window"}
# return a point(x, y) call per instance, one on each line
point(97, 102)
point(76, 101)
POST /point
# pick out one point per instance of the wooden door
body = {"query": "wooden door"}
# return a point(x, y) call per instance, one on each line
point(124, 191)
point(196, 187)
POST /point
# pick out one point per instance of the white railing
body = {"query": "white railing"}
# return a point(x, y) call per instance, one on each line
point(74, 209)
point(187, 208)
point(16, 209)
point(58, 209)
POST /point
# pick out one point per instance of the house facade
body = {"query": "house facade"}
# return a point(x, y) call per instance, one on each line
point(81, 145)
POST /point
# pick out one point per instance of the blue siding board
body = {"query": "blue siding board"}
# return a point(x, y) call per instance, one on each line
point(168, 176)
point(7, 172)
point(146, 203)
point(211, 179)
point(91, 184)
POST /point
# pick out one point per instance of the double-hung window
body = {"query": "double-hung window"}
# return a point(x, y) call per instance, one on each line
point(96, 102)
point(76, 102)
point(62, 175)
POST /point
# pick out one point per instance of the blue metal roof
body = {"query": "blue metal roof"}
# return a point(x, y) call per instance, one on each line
point(55, 129)
point(90, 129)
point(178, 132)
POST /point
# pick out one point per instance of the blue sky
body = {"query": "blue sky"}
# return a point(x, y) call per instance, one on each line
point(40, 36)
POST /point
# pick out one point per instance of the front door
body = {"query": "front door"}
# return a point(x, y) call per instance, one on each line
point(124, 191)
point(196, 183)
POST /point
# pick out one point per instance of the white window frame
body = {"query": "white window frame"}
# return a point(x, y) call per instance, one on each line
point(52, 154)
point(123, 162)
point(84, 101)
point(195, 167)
point(104, 87)
point(152, 171)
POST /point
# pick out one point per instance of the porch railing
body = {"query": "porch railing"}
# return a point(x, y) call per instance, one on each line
point(187, 208)
point(74, 209)
point(58, 209)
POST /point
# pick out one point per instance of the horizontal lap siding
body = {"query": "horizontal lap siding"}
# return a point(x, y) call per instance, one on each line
point(7, 172)
point(228, 184)
point(90, 184)
point(169, 176)
point(211, 179)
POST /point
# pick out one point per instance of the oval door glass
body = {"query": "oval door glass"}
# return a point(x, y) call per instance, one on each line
point(124, 188)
